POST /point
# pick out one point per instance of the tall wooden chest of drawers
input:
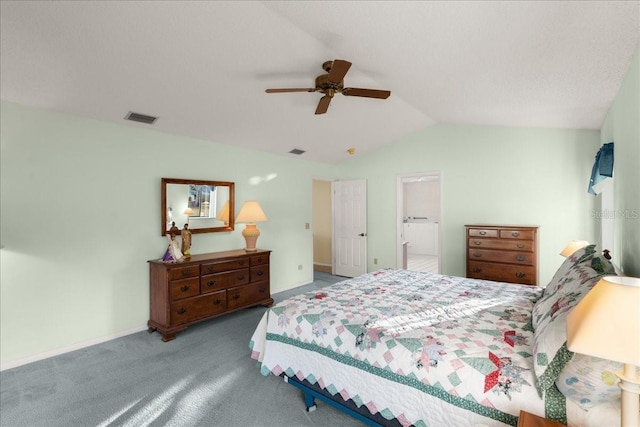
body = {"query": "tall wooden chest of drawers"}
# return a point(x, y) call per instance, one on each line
point(205, 286)
point(503, 253)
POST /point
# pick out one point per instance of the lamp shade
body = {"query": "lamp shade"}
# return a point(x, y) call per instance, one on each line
point(573, 246)
point(223, 215)
point(251, 212)
point(606, 322)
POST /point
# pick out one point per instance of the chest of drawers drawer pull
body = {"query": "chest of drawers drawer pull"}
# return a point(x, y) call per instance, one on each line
point(181, 310)
point(216, 302)
point(477, 255)
point(520, 245)
point(262, 290)
point(515, 233)
point(477, 242)
point(185, 288)
point(482, 232)
point(235, 297)
point(240, 277)
point(520, 258)
point(260, 273)
point(520, 274)
point(211, 283)
point(477, 270)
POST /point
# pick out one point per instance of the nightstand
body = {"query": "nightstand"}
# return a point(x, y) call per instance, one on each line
point(527, 419)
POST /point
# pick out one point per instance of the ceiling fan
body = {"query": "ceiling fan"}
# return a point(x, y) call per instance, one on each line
point(332, 83)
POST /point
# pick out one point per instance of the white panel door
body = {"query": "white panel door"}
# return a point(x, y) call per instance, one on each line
point(350, 227)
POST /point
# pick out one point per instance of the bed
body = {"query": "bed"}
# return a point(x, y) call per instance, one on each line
point(398, 347)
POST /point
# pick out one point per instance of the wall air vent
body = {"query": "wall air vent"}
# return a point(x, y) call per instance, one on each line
point(296, 151)
point(141, 118)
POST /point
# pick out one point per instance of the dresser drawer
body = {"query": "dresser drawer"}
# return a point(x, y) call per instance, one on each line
point(482, 232)
point(507, 244)
point(259, 259)
point(215, 282)
point(525, 258)
point(243, 295)
point(517, 234)
point(185, 288)
point(216, 267)
point(502, 272)
point(260, 273)
point(176, 273)
point(199, 307)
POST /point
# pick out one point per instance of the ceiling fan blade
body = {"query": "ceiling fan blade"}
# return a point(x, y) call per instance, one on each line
point(323, 105)
point(367, 93)
point(291, 90)
point(338, 70)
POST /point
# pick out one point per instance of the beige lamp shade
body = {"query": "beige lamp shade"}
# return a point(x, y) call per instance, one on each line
point(572, 247)
point(250, 213)
point(223, 215)
point(606, 322)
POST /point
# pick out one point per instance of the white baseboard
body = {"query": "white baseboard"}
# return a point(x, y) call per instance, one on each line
point(62, 350)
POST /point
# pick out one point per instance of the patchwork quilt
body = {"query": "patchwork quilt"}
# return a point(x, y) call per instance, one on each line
point(421, 348)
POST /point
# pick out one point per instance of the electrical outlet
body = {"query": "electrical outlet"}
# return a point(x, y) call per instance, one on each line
point(300, 267)
point(375, 261)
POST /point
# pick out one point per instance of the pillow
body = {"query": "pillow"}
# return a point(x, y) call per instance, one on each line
point(550, 335)
point(589, 381)
point(566, 277)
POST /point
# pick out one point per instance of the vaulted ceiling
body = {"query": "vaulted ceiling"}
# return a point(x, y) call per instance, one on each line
point(203, 67)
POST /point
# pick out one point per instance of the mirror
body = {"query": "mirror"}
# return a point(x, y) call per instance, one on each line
point(207, 206)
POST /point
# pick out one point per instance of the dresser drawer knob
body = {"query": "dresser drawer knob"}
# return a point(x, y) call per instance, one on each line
point(241, 277)
point(260, 273)
point(520, 245)
point(211, 283)
point(515, 233)
point(477, 255)
point(185, 288)
point(520, 258)
point(482, 233)
point(259, 260)
point(477, 270)
point(520, 275)
point(262, 290)
point(181, 310)
point(216, 302)
point(477, 242)
point(185, 271)
point(235, 297)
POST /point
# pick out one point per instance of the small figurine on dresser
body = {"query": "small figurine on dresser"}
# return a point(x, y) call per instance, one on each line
point(172, 254)
point(186, 241)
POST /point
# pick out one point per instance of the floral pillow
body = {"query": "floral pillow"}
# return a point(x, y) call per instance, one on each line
point(589, 381)
point(550, 337)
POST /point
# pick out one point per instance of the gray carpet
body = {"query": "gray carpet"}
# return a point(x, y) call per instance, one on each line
point(205, 377)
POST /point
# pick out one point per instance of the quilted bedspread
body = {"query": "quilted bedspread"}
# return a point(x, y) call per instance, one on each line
point(421, 348)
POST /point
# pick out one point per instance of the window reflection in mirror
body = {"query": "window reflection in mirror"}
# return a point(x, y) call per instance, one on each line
point(206, 206)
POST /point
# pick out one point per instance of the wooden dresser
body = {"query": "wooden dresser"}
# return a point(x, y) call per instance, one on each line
point(503, 253)
point(205, 286)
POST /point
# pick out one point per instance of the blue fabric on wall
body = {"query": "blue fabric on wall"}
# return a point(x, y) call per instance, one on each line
point(602, 167)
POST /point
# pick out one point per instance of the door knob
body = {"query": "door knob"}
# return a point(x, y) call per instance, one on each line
point(362, 234)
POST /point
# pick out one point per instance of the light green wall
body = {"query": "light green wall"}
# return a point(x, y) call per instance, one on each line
point(622, 126)
point(80, 216)
point(489, 175)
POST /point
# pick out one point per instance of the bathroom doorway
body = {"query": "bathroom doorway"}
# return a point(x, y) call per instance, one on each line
point(419, 200)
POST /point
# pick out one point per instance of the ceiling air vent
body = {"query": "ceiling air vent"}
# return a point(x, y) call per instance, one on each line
point(296, 151)
point(141, 118)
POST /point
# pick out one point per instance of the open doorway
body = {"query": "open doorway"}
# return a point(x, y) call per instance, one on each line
point(321, 224)
point(419, 211)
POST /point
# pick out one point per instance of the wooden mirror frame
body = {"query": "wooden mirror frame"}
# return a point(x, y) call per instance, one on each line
point(163, 207)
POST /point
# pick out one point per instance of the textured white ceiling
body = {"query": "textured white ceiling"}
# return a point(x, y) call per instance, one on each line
point(202, 67)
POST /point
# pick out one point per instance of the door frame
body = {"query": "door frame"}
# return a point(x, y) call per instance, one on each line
point(400, 179)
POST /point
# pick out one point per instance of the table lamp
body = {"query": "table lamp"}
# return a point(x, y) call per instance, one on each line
point(606, 324)
point(250, 213)
point(223, 215)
